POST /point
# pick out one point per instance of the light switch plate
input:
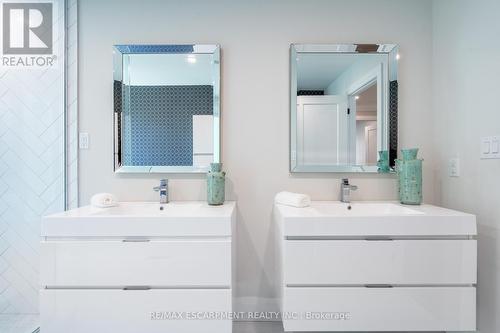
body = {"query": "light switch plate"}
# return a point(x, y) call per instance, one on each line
point(83, 140)
point(490, 147)
point(454, 167)
point(485, 146)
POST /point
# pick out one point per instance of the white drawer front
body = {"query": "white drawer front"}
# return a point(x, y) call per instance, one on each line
point(397, 262)
point(105, 311)
point(380, 309)
point(156, 263)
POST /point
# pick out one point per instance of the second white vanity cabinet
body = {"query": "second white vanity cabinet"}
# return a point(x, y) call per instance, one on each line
point(376, 267)
point(136, 268)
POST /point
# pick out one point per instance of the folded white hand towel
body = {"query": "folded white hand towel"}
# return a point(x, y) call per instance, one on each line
point(292, 199)
point(103, 200)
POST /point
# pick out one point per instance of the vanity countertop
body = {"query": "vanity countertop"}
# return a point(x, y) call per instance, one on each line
point(143, 219)
point(373, 218)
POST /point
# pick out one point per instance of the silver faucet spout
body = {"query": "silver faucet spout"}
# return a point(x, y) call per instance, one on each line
point(345, 190)
point(162, 190)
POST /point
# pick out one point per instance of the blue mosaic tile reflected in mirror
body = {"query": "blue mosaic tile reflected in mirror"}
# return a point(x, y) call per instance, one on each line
point(166, 108)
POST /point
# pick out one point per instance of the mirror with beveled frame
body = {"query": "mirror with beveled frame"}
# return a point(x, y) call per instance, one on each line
point(166, 108)
point(344, 106)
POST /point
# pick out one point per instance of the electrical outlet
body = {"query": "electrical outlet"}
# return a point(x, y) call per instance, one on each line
point(84, 140)
point(454, 167)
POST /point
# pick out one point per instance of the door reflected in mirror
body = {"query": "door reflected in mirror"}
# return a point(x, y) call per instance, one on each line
point(365, 106)
point(343, 98)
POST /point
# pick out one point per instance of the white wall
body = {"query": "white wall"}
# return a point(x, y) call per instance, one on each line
point(465, 106)
point(255, 38)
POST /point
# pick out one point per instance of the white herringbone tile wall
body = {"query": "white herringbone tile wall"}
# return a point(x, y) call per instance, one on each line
point(33, 160)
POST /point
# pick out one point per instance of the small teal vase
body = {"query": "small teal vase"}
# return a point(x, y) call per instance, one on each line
point(409, 170)
point(216, 184)
point(383, 161)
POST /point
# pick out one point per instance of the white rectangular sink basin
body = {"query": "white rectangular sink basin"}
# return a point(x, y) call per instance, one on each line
point(363, 209)
point(148, 219)
point(384, 218)
point(179, 209)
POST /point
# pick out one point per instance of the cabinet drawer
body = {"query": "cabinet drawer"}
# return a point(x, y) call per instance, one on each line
point(156, 263)
point(134, 311)
point(396, 262)
point(380, 309)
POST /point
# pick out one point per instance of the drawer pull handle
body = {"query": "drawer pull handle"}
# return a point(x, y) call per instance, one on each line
point(379, 239)
point(378, 286)
point(135, 240)
point(137, 288)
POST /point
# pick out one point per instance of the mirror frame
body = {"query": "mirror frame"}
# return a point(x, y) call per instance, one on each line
point(118, 64)
point(389, 115)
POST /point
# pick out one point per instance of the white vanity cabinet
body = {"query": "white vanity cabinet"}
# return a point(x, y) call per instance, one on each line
point(376, 267)
point(136, 268)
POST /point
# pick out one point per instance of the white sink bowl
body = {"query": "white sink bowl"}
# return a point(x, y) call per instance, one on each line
point(335, 219)
point(178, 209)
point(363, 209)
point(183, 218)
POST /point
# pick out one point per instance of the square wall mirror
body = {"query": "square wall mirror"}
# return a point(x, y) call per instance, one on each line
point(166, 108)
point(344, 107)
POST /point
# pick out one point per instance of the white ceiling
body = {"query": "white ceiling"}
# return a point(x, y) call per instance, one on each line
point(318, 70)
point(171, 69)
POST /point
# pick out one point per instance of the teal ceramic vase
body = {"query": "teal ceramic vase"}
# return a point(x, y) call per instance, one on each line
point(216, 184)
point(409, 170)
point(383, 161)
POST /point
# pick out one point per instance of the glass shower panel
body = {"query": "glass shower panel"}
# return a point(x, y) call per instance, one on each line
point(32, 147)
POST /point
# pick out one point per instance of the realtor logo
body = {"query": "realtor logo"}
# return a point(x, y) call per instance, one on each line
point(27, 28)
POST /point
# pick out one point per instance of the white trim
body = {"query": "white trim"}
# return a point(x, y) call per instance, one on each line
point(71, 102)
point(370, 77)
point(374, 75)
point(293, 109)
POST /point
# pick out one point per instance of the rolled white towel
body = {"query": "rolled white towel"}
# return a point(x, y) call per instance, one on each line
point(292, 199)
point(103, 200)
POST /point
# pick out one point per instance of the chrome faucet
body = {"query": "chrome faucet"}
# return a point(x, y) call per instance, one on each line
point(163, 190)
point(345, 190)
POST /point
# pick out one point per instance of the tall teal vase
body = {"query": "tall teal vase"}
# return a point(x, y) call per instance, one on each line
point(409, 170)
point(383, 161)
point(216, 184)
